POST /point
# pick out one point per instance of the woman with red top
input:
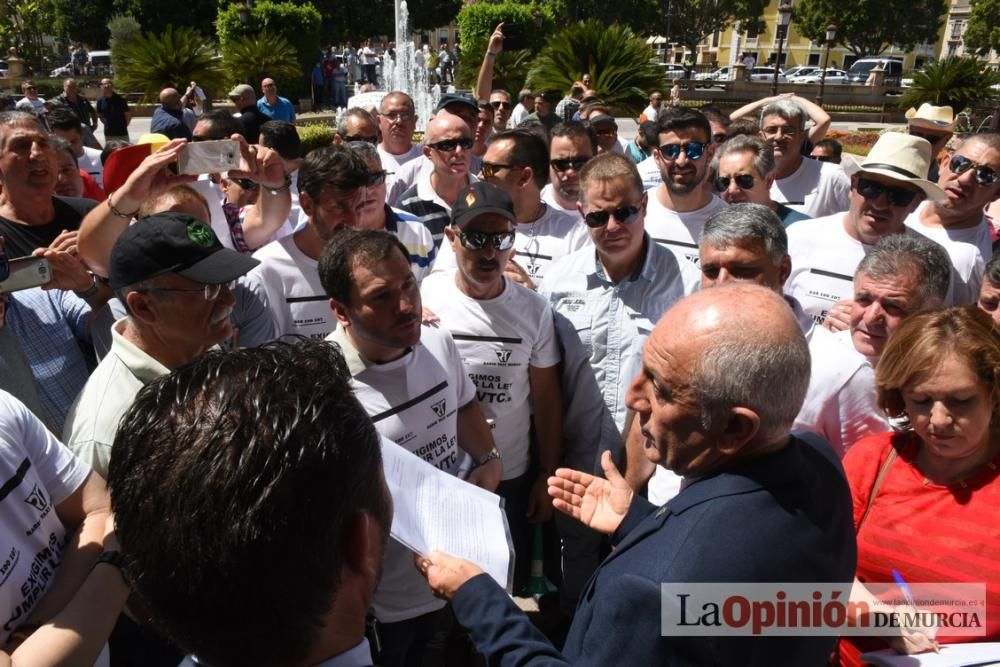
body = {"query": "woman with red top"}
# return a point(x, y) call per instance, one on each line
point(926, 498)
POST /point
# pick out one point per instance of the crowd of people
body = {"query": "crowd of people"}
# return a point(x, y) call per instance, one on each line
point(723, 351)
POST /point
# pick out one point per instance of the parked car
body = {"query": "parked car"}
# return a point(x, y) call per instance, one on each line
point(835, 76)
point(721, 74)
point(799, 70)
point(674, 70)
point(861, 69)
point(98, 64)
point(765, 74)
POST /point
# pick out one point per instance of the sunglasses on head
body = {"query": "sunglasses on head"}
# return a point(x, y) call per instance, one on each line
point(743, 182)
point(984, 175)
point(575, 163)
point(479, 240)
point(500, 105)
point(448, 145)
point(357, 138)
point(693, 149)
point(624, 215)
point(897, 196)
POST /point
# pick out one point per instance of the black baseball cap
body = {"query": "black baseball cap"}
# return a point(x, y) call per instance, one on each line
point(456, 98)
point(479, 198)
point(178, 243)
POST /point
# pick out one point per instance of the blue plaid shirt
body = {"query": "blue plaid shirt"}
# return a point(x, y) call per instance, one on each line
point(50, 325)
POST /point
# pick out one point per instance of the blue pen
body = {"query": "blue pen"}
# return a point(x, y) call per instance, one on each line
point(909, 599)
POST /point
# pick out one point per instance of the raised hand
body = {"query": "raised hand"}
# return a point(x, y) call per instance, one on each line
point(598, 503)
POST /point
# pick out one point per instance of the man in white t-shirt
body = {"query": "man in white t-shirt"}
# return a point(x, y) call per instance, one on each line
point(504, 333)
point(525, 105)
point(413, 385)
point(397, 121)
point(971, 179)
point(332, 182)
point(571, 145)
point(680, 205)
point(517, 161)
point(813, 187)
point(825, 251)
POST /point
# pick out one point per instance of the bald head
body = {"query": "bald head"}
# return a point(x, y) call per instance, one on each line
point(170, 98)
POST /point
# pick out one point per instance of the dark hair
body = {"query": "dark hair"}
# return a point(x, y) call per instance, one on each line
point(743, 126)
point(647, 129)
point(62, 117)
point(572, 129)
point(831, 145)
point(234, 481)
point(110, 146)
point(527, 150)
point(366, 246)
point(681, 119)
point(224, 124)
point(282, 137)
point(336, 166)
point(715, 112)
point(60, 144)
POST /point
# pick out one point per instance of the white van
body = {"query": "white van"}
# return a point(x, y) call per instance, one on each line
point(861, 69)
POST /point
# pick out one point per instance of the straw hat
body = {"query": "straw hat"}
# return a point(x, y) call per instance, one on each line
point(931, 117)
point(903, 157)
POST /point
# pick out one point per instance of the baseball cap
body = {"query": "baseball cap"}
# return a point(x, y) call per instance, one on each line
point(453, 98)
point(603, 118)
point(242, 90)
point(479, 198)
point(178, 243)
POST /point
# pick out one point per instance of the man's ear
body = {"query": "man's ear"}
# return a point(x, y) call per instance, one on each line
point(337, 139)
point(340, 312)
point(527, 174)
point(364, 553)
point(140, 307)
point(741, 427)
point(306, 203)
point(786, 269)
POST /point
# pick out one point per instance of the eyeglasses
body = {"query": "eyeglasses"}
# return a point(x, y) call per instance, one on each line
point(357, 138)
point(478, 240)
point(930, 137)
point(574, 163)
point(774, 130)
point(822, 158)
point(247, 184)
point(490, 169)
point(897, 196)
point(719, 138)
point(693, 149)
point(210, 292)
point(624, 215)
point(401, 116)
point(743, 181)
point(501, 105)
point(984, 175)
point(376, 178)
point(448, 145)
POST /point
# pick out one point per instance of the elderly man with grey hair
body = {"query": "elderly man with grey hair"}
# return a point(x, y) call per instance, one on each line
point(810, 186)
point(744, 168)
point(356, 124)
point(746, 243)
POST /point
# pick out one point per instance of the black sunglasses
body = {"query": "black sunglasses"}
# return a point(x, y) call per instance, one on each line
point(624, 215)
point(693, 149)
point(376, 178)
point(448, 145)
point(478, 240)
point(247, 184)
point(984, 175)
point(897, 196)
point(489, 169)
point(353, 138)
point(497, 105)
point(743, 181)
point(576, 164)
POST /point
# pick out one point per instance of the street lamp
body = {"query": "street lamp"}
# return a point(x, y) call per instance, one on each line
point(831, 34)
point(784, 18)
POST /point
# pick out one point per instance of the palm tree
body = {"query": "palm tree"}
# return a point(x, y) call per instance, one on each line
point(621, 65)
point(956, 81)
point(151, 62)
point(250, 58)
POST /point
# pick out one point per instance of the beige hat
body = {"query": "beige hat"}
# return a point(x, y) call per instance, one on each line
point(242, 90)
point(903, 157)
point(931, 117)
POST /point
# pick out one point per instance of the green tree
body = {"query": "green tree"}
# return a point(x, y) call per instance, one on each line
point(156, 14)
point(342, 22)
point(640, 15)
point(173, 57)
point(868, 27)
point(85, 22)
point(622, 66)
point(959, 82)
point(476, 23)
point(430, 14)
point(23, 24)
point(688, 22)
point(251, 58)
point(983, 31)
point(122, 28)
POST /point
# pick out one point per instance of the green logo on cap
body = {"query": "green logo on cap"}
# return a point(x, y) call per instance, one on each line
point(200, 234)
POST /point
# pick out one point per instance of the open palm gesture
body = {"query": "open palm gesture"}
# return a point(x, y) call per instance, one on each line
point(598, 503)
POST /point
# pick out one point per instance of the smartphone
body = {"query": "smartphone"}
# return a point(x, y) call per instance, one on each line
point(514, 38)
point(26, 272)
point(208, 157)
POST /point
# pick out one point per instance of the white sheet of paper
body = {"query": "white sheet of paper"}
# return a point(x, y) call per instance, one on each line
point(434, 510)
point(951, 655)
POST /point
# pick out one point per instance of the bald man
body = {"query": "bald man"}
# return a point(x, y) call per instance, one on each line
point(168, 119)
point(719, 390)
point(446, 144)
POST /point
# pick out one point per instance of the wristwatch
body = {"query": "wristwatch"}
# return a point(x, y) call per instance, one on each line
point(90, 291)
point(493, 454)
point(115, 558)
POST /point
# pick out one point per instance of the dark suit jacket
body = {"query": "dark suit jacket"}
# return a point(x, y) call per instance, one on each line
point(785, 517)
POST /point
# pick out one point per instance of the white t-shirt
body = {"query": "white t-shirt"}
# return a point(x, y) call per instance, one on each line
point(517, 115)
point(816, 189)
point(288, 283)
point(676, 231)
point(39, 473)
point(499, 339)
point(549, 197)
point(536, 244)
point(824, 259)
point(392, 162)
point(413, 401)
point(969, 249)
point(90, 162)
point(649, 172)
point(406, 176)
